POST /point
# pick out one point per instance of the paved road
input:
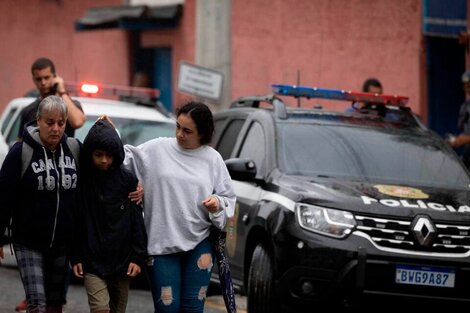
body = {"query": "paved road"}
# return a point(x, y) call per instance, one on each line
point(11, 291)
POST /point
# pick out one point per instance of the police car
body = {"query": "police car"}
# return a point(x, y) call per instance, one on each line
point(342, 209)
point(136, 113)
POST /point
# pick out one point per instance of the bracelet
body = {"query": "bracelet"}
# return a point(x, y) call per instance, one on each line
point(63, 93)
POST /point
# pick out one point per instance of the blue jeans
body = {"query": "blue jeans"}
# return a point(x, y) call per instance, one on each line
point(179, 281)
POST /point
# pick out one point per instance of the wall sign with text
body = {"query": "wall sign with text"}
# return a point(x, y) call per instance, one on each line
point(200, 81)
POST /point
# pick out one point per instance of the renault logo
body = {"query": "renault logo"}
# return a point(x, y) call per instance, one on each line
point(423, 230)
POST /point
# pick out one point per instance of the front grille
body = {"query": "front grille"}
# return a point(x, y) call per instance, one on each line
point(395, 233)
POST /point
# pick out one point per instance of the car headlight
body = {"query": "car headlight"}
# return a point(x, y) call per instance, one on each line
point(330, 222)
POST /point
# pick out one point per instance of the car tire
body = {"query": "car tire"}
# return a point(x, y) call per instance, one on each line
point(261, 289)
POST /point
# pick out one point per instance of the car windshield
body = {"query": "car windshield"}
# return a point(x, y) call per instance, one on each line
point(366, 153)
point(132, 131)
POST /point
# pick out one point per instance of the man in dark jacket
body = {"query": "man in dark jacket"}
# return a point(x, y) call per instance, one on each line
point(49, 83)
point(111, 241)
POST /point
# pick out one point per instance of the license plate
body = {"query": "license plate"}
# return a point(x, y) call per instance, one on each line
point(425, 276)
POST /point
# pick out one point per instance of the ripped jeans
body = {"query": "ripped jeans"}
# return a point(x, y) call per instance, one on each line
point(179, 281)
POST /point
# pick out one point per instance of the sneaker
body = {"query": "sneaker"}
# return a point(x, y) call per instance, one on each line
point(22, 306)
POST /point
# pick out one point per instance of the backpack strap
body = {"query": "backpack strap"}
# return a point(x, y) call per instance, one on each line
point(26, 156)
point(74, 147)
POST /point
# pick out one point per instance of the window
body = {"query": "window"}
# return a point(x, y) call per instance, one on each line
point(228, 138)
point(368, 154)
point(12, 135)
point(132, 131)
point(254, 147)
point(8, 119)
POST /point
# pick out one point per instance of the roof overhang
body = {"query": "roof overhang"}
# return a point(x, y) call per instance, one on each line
point(129, 17)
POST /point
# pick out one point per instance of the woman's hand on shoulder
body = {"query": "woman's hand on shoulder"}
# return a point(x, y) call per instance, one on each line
point(138, 195)
point(106, 118)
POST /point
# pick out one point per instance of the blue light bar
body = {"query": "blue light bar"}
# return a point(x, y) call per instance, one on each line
point(336, 94)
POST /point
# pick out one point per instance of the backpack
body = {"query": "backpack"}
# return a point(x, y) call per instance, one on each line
point(27, 153)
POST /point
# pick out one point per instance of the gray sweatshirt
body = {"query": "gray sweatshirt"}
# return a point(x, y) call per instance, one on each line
point(176, 181)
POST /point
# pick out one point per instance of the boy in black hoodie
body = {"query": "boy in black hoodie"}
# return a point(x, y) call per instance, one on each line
point(111, 240)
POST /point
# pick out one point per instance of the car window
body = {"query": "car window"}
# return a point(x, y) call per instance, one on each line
point(7, 119)
point(132, 131)
point(228, 138)
point(369, 154)
point(254, 147)
point(135, 132)
point(12, 135)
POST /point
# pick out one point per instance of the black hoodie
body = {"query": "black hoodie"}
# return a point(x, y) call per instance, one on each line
point(111, 231)
point(41, 203)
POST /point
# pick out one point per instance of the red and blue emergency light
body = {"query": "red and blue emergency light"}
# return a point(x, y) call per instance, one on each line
point(90, 90)
point(337, 94)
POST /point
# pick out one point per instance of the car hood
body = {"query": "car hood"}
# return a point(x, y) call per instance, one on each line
point(379, 198)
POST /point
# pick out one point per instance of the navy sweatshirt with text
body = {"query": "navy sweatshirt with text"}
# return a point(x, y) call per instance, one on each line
point(41, 202)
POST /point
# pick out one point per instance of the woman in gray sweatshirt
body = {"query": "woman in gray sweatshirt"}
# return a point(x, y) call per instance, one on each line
point(188, 190)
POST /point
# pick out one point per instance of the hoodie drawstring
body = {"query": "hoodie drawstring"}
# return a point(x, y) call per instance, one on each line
point(48, 175)
point(49, 181)
point(62, 165)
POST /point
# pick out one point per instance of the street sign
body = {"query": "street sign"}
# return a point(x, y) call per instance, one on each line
point(200, 81)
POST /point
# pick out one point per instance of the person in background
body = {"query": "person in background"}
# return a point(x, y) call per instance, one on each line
point(49, 83)
point(40, 204)
point(370, 85)
point(188, 190)
point(141, 79)
point(111, 241)
point(463, 123)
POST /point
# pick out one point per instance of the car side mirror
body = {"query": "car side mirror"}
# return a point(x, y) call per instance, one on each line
point(241, 169)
